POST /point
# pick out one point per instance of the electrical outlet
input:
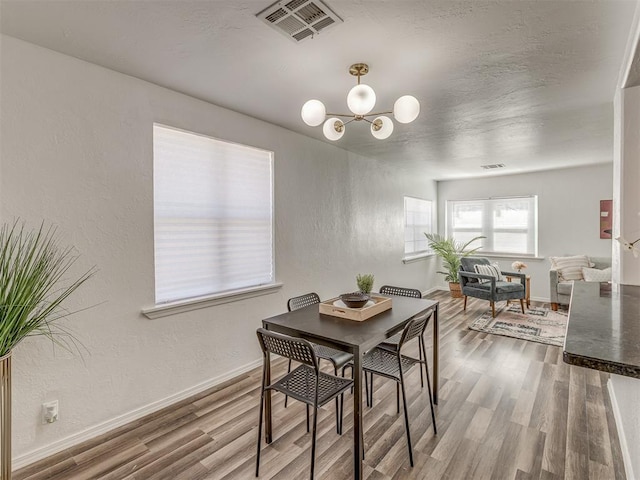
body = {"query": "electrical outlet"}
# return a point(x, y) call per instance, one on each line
point(50, 412)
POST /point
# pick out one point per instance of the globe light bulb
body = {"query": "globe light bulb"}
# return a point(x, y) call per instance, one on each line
point(313, 113)
point(382, 127)
point(406, 109)
point(361, 99)
point(333, 129)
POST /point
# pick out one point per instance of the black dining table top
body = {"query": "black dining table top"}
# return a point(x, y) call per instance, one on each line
point(349, 333)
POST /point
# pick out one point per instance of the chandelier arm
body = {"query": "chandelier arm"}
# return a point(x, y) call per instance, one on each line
point(378, 113)
point(347, 123)
point(339, 114)
point(367, 120)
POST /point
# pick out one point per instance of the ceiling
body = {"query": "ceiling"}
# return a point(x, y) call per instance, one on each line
point(528, 84)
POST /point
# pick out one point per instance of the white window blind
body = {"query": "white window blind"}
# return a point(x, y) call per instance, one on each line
point(418, 220)
point(213, 215)
point(510, 224)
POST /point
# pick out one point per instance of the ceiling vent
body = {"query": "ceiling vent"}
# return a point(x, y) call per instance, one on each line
point(299, 19)
point(495, 165)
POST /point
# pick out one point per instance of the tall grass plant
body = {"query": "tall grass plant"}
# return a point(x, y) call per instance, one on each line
point(33, 285)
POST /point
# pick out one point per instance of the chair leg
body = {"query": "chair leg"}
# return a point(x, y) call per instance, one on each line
point(522, 305)
point(341, 412)
point(406, 418)
point(307, 418)
point(554, 307)
point(313, 440)
point(420, 341)
point(425, 363)
point(397, 397)
point(371, 392)
point(260, 421)
point(433, 413)
point(286, 397)
point(493, 309)
point(366, 389)
point(465, 303)
point(338, 429)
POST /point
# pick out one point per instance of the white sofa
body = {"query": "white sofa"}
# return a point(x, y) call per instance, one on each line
point(560, 288)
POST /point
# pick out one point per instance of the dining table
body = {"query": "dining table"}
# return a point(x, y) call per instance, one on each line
point(357, 338)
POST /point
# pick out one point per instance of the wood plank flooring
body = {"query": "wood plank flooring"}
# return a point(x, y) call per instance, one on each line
point(509, 409)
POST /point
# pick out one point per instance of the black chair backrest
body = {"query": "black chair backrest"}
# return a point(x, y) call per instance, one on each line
point(303, 301)
point(415, 327)
point(400, 291)
point(467, 265)
point(294, 348)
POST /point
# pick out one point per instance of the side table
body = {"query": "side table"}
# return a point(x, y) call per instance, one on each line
point(527, 289)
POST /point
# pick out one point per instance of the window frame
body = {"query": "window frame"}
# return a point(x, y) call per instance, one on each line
point(185, 303)
point(488, 230)
point(410, 256)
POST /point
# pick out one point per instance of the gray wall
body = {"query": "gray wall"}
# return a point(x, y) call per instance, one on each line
point(568, 212)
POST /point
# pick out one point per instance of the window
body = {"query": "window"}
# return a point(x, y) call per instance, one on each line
point(418, 220)
point(510, 224)
point(213, 215)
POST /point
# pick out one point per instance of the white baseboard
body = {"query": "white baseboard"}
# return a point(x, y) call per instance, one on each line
point(434, 289)
point(624, 447)
point(104, 427)
point(540, 299)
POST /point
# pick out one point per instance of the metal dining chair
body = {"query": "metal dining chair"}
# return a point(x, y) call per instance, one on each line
point(400, 291)
point(305, 383)
point(394, 365)
point(337, 357)
point(392, 342)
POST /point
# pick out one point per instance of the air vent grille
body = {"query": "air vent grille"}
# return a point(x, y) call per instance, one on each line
point(325, 22)
point(295, 4)
point(277, 15)
point(290, 25)
point(299, 19)
point(495, 165)
point(310, 13)
point(303, 34)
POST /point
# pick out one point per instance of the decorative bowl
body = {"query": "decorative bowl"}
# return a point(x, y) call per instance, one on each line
point(355, 299)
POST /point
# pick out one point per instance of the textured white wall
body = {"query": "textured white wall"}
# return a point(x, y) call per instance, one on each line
point(626, 269)
point(629, 184)
point(77, 151)
point(568, 212)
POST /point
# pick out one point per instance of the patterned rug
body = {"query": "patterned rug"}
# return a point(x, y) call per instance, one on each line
point(536, 324)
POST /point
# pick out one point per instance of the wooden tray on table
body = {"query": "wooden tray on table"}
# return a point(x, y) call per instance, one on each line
point(336, 308)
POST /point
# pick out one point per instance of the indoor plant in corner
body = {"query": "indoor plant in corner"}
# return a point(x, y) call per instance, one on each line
point(451, 251)
point(32, 289)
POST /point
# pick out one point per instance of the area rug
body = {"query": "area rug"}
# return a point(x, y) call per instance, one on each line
point(536, 324)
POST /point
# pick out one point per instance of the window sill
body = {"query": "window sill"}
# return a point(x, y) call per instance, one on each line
point(515, 256)
point(417, 258)
point(183, 306)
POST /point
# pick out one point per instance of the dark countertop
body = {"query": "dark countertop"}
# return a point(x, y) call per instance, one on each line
point(603, 332)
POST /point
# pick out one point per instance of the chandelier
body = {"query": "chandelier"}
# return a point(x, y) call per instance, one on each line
point(361, 99)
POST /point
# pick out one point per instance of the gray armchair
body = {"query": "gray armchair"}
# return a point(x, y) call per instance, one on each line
point(487, 287)
point(560, 291)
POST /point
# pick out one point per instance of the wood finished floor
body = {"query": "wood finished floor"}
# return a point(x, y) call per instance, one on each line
point(509, 409)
